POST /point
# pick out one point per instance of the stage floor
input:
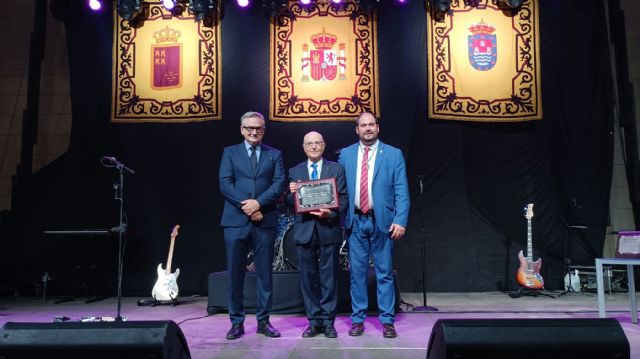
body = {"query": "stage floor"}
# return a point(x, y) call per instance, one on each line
point(206, 334)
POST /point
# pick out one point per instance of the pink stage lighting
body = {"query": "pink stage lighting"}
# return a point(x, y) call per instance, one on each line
point(95, 5)
point(243, 3)
point(168, 4)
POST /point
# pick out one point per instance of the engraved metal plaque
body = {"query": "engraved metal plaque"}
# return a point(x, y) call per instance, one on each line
point(313, 195)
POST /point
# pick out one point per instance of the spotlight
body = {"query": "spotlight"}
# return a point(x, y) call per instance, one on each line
point(305, 2)
point(128, 9)
point(511, 4)
point(368, 5)
point(336, 1)
point(95, 5)
point(201, 8)
point(274, 7)
point(439, 9)
point(169, 4)
point(243, 3)
point(441, 5)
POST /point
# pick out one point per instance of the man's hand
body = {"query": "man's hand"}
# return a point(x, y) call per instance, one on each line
point(293, 187)
point(250, 206)
point(397, 231)
point(256, 216)
point(321, 213)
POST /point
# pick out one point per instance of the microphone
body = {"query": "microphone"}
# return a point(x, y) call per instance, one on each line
point(420, 176)
point(112, 161)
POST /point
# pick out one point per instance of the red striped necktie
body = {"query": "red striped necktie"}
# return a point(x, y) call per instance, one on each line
point(364, 182)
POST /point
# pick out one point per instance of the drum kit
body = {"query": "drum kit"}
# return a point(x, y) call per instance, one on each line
point(285, 258)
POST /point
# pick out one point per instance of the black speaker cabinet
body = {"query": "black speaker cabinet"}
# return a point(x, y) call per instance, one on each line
point(527, 338)
point(116, 340)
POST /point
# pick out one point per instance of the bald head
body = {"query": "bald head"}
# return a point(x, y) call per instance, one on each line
point(313, 145)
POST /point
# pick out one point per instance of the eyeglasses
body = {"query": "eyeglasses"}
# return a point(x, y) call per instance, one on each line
point(251, 129)
point(312, 144)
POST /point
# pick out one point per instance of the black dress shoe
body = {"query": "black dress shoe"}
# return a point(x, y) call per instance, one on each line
point(311, 331)
point(356, 329)
point(330, 331)
point(236, 331)
point(267, 329)
point(389, 331)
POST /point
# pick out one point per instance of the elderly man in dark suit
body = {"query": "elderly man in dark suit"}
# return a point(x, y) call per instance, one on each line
point(317, 235)
point(251, 179)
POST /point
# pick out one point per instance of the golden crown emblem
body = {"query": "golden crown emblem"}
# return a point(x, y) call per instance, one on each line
point(482, 28)
point(166, 35)
point(323, 40)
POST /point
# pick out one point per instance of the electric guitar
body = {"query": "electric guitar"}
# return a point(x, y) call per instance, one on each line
point(529, 272)
point(166, 287)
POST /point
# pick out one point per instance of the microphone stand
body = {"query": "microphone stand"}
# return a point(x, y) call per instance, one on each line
point(424, 307)
point(122, 227)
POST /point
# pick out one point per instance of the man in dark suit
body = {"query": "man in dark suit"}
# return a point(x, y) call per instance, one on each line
point(251, 179)
point(317, 235)
point(377, 215)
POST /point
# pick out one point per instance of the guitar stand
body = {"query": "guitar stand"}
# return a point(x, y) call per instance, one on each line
point(154, 302)
point(529, 293)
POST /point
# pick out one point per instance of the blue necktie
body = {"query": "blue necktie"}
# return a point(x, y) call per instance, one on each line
point(314, 172)
point(253, 158)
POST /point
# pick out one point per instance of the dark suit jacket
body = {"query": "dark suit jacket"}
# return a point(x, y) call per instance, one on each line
point(238, 182)
point(329, 229)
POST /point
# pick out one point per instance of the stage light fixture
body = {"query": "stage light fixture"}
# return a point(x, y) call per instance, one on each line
point(305, 2)
point(511, 4)
point(128, 9)
point(274, 7)
point(169, 4)
point(368, 5)
point(95, 5)
point(243, 3)
point(336, 1)
point(439, 9)
point(202, 8)
point(441, 5)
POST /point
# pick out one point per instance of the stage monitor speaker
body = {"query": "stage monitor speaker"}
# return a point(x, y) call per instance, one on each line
point(119, 340)
point(527, 338)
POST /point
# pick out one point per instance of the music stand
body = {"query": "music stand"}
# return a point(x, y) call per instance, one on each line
point(567, 261)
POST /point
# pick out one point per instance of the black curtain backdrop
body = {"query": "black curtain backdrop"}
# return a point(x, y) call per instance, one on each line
point(478, 176)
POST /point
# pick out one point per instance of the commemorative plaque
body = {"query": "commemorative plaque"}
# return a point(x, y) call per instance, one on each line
point(314, 195)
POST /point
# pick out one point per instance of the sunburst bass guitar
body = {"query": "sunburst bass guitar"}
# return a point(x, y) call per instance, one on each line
point(166, 287)
point(528, 274)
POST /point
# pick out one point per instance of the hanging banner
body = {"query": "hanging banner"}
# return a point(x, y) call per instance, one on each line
point(166, 66)
point(484, 62)
point(323, 63)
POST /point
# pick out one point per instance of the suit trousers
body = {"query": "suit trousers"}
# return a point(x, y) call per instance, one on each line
point(319, 279)
point(366, 240)
point(238, 242)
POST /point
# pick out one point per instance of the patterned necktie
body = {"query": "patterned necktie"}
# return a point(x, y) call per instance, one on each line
point(314, 172)
point(253, 158)
point(364, 182)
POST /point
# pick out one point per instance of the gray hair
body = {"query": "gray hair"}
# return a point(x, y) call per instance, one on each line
point(251, 114)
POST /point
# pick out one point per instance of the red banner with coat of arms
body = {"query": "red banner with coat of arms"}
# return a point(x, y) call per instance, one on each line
point(323, 62)
point(484, 62)
point(166, 66)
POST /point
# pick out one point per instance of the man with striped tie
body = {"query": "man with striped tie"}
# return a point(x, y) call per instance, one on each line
point(377, 215)
point(317, 235)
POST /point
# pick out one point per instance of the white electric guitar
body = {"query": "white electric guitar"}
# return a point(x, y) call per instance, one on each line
point(166, 287)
